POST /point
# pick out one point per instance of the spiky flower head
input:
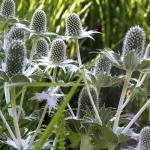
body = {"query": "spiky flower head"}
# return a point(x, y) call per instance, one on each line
point(144, 141)
point(57, 51)
point(84, 104)
point(102, 65)
point(73, 25)
point(42, 47)
point(38, 21)
point(16, 33)
point(134, 40)
point(8, 9)
point(15, 59)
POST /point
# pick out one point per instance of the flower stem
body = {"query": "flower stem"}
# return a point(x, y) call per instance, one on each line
point(15, 118)
point(146, 105)
point(8, 128)
point(21, 102)
point(40, 123)
point(119, 110)
point(85, 142)
point(86, 83)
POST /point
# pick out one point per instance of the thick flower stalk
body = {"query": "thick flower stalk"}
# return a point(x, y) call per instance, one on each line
point(15, 60)
point(84, 105)
point(134, 40)
point(42, 47)
point(57, 51)
point(144, 139)
point(39, 21)
point(7, 9)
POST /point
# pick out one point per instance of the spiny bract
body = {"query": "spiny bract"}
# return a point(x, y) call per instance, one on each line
point(102, 65)
point(15, 59)
point(8, 9)
point(42, 47)
point(38, 21)
point(147, 51)
point(57, 51)
point(16, 33)
point(84, 104)
point(134, 40)
point(73, 25)
point(144, 141)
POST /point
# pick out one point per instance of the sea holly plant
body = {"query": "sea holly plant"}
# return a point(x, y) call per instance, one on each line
point(50, 101)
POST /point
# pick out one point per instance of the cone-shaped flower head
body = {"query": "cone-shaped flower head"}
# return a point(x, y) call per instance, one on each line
point(73, 25)
point(38, 21)
point(102, 65)
point(8, 9)
point(42, 47)
point(57, 51)
point(134, 40)
point(84, 104)
point(15, 59)
point(16, 33)
point(144, 141)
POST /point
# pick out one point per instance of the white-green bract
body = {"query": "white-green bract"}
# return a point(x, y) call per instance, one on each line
point(50, 96)
point(74, 28)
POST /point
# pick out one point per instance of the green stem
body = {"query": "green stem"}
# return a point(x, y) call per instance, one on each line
point(8, 128)
point(21, 102)
point(85, 142)
point(146, 105)
point(15, 118)
point(122, 97)
point(86, 83)
point(40, 123)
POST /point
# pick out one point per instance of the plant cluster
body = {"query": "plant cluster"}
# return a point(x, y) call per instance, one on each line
point(27, 125)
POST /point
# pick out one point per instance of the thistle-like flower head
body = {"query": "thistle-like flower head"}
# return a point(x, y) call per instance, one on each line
point(42, 47)
point(102, 65)
point(16, 33)
point(7, 9)
point(74, 28)
point(15, 59)
point(73, 25)
point(57, 51)
point(84, 104)
point(144, 141)
point(134, 40)
point(38, 21)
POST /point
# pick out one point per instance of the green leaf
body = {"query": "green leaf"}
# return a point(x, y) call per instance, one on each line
point(144, 66)
point(55, 119)
point(20, 78)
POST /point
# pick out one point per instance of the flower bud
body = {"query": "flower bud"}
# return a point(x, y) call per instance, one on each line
point(134, 40)
point(57, 51)
point(144, 139)
point(38, 21)
point(84, 103)
point(73, 25)
point(42, 47)
point(8, 9)
point(15, 60)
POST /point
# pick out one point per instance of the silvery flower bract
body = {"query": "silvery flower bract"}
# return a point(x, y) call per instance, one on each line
point(38, 21)
point(8, 9)
point(144, 141)
point(73, 25)
point(16, 33)
point(42, 47)
point(134, 40)
point(102, 65)
point(147, 52)
point(84, 104)
point(15, 59)
point(57, 51)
